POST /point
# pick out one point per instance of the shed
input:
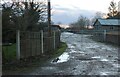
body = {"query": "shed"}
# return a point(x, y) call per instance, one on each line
point(107, 24)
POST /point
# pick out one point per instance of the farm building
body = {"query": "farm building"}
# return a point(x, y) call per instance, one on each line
point(107, 24)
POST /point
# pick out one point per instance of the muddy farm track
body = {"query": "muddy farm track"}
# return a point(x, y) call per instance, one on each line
point(82, 57)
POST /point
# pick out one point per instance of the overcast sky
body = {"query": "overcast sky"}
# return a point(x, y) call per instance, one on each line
point(67, 11)
point(96, 5)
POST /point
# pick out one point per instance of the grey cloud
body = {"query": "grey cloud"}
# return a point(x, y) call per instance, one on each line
point(70, 15)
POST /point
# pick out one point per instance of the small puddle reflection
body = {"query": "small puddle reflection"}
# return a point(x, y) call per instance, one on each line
point(108, 73)
point(100, 58)
point(71, 46)
point(96, 57)
point(63, 58)
point(48, 68)
point(104, 60)
point(72, 51)
point(104, 73)
point(116, 65)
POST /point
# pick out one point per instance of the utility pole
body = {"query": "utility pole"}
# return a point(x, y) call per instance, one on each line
point(49, 17)
point(49, 25)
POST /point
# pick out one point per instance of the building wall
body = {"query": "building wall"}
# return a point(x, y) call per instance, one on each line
point(113, 39)
point(97, 25)
point(109, 28)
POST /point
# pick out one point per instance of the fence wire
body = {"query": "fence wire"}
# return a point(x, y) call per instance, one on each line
point(38, 43)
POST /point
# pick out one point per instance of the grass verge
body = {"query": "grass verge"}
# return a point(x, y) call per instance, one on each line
point(59, 51)
point(9, 52)
point(33, 62)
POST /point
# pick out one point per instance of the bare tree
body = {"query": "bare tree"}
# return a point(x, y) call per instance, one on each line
point(98, 15)
point(81, 23)
point(112, 9)
point(8, 28)
point(30, 14)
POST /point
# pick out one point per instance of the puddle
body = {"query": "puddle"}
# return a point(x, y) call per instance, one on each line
point(77, 51)
point(101, 59)
point(86, 61)
point(92, 45)
point(96, 57)
point(116, 65)
point(104, 73)
point(87, 35)
point(81, 52)
point(71, 46)
point(109, 49)
point(104, 60)
point(63, 58)
point(103, 48)
point(68, 33)
point(48, 68)
point(73, 51)
point(108, 73)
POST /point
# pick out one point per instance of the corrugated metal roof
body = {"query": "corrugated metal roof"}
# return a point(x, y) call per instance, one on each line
point(109, 21)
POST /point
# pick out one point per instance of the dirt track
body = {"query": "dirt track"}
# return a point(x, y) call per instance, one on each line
point(83, 57)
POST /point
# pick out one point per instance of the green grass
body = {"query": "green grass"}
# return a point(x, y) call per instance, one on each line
point(52, 55)
point(28, 65)
point(9, 52)
point(60, 50)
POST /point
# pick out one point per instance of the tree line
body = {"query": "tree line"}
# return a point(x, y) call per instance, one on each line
point(83, 21)
point(25, 16)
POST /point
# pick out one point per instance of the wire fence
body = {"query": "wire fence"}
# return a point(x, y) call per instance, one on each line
point(38, 43)
point(103, 35)
point(99, 35)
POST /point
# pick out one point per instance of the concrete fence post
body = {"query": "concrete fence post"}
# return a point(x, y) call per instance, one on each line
point(42, 41)
point(104, 35)
point(1, 44)
point(54, 39)
point(18, 45)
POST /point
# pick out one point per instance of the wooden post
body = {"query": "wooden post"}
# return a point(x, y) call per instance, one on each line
point(1, 44)
point(18, 44)
point(42, 42)
point(54, 39)
point(104, 35)
point(49, 17)
point(49, 24)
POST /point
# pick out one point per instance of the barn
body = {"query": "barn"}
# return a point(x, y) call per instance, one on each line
point(107, 24)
